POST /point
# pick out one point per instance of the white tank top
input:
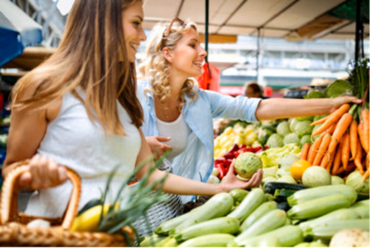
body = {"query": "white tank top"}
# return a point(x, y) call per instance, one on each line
point(178, 130)
point(73, 140)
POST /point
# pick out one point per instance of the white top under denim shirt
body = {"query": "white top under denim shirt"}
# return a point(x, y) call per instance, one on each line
point(196, 162)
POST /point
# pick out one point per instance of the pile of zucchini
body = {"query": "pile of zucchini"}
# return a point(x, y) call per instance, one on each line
point(308, 215)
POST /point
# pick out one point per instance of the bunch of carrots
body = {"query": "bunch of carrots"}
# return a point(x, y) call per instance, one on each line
point(343, 144)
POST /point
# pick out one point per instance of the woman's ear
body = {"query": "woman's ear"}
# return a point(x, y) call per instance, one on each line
point(167, 54)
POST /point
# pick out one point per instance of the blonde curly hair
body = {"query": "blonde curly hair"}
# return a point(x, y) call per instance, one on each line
point(155, 67)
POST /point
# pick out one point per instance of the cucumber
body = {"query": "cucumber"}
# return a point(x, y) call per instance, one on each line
point(270, 187)
point(90, 204)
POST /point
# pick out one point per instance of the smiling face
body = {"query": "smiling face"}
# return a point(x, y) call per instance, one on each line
point(132, 19)
point(188, 55)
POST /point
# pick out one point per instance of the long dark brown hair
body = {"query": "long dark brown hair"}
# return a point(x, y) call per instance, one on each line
point(92, 55)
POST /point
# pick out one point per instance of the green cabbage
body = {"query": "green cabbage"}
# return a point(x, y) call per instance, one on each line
point(275, 140)
point(354, 180)
point(291, 138)
point(306, 139)
point(303, 127)
point(292, 123)
point(283, 128)
point(246, 164)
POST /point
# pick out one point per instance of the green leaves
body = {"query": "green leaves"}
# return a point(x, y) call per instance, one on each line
point(135, 204)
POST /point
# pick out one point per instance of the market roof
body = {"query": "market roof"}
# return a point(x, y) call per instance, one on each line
point(289, 19)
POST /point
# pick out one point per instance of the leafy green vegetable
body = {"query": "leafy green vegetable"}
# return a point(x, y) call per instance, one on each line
point(338, 88)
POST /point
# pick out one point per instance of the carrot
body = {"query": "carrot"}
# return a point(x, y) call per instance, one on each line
point(333, 117)
point(325, 160)
point(351, 166)
point(304, 152)
point(336, 163)
point(353, 138)
point(321, 121)
point(313, 149)
point(341, 128)
point(366, 175)
point(322, 149)
point(345, 149)
point(361, 135)
point(365, 121)
point(358, 159)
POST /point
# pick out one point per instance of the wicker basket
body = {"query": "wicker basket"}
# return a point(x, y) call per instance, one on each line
point(14, 232)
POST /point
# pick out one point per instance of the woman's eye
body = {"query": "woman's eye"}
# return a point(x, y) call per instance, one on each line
point(136, 24)
point(193, 45)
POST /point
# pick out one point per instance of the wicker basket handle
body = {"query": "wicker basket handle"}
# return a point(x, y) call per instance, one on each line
point(8, 196)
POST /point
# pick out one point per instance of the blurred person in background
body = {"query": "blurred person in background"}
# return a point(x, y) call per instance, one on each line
point(253, 90)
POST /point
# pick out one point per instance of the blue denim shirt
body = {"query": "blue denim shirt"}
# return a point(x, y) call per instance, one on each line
point(196, 162)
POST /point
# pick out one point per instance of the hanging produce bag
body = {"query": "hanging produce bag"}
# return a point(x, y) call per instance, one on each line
point(210, 78)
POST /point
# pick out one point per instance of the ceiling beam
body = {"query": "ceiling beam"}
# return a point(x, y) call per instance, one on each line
point(231, 15)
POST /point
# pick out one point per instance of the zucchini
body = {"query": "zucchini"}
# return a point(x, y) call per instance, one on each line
point(362, 196)
point(263, 209)
point(270, 221)
point(171, 224)
point(340, 214)
point(166, 242)
point(270, 187)
point(151, 240)
point(317, 207)
point(321, 191)
point(327, 229)
point(210, 240)
point(281, 195)
point(219, 205)
point(218, 225)
point(361, 203)
point(285, 236)
point(254, 199)
point(283, 206)
point(362, 211)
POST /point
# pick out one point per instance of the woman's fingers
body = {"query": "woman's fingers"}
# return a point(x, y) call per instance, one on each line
point(43, 173)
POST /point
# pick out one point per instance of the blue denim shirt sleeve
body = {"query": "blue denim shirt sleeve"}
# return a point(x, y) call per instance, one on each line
point(225, 106)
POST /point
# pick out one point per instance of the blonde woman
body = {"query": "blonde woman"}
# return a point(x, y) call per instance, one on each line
point(178, 115)
point(79, 109)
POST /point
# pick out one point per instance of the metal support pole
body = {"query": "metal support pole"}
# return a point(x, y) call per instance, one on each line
point(206, 30)
point(358, 29)
point(258, 54)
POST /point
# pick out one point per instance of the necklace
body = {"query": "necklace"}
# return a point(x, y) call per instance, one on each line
point(167, 112)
